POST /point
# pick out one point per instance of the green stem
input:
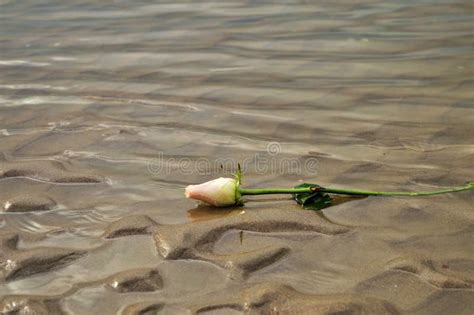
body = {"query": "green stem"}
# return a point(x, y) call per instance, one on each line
point(267, 191)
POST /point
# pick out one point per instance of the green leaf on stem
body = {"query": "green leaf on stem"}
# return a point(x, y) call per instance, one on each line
point(239, 201)
point(315, 200)
point(238, 175)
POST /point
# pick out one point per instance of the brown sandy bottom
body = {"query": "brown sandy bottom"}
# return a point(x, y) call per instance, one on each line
point(109, 109)
point(267, 258)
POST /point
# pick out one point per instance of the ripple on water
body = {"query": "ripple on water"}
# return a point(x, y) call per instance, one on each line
point(101, 103)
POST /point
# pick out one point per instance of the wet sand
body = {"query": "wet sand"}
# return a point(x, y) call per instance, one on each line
point(107, 111)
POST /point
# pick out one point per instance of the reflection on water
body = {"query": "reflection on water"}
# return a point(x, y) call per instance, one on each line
point(204, 212)
point(92, 92)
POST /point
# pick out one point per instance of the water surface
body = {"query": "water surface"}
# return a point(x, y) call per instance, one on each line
point(108, 109)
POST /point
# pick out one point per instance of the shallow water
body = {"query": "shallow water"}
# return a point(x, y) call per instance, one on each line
point(108, 109)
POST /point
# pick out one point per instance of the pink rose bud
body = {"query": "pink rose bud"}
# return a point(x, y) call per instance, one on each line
point(220, 192)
